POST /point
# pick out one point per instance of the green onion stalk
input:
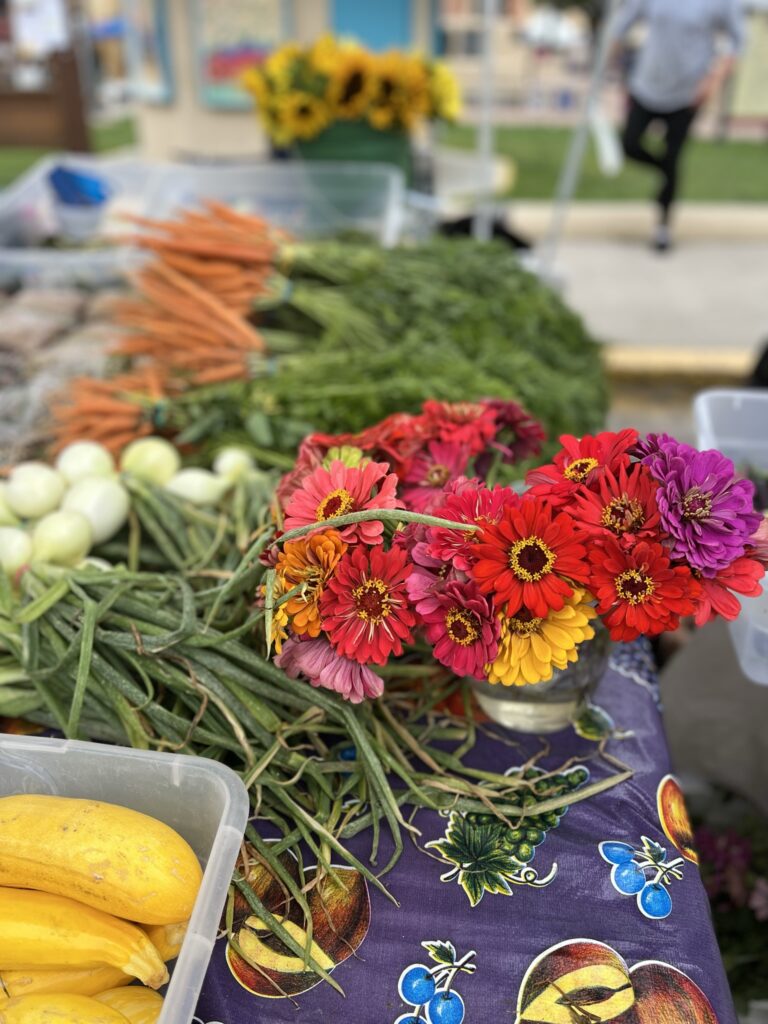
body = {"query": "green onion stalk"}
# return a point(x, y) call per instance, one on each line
point(177, 661)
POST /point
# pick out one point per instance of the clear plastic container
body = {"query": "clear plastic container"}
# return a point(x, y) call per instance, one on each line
point(204, 801)
point(735, 421)
point(311, 199)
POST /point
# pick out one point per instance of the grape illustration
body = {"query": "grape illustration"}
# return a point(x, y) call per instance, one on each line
point(654, 901)
point(628, 878)
point(617, 853)
point(445, 1007)
point(416, 985)
point(409, 1018)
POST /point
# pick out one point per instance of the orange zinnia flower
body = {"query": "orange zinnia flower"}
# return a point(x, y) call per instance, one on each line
point(308, 563)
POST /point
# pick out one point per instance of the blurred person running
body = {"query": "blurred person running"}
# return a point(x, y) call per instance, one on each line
point(678, 68)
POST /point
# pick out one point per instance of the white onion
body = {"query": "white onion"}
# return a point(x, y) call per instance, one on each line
point(103, 502)
point(34, 489)
point(7, 517)
point(84, 458)
point(61, 538)
point(151, 459)
point(198, 486)
point(232, 463)
point(15, 548)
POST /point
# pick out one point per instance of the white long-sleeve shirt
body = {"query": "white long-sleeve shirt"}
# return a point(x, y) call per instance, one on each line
point(680, 46)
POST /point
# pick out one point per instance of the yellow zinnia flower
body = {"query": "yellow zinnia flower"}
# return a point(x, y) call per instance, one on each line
point(352, 84)
point(530, 649)
point(303, 114)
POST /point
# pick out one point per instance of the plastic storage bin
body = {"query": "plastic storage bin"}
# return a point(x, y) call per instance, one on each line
point(736, 422)
point(204, 801)
point(311, 199)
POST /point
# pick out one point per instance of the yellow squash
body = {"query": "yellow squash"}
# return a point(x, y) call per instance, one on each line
point(109, 857)
point(87, 981)
point(138, 1005)
point(40, 930)
point(58, 1009)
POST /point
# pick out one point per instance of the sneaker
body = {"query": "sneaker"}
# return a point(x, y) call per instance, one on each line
point(662, 239)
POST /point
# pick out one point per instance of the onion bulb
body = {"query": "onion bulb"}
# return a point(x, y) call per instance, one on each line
point(151, 459)
point(198, 486)
point(61, 538)
point(7, 517)
point(84, 458)
point(34, 489)
point(232, 463)
point(15, 548)
point(103, 501)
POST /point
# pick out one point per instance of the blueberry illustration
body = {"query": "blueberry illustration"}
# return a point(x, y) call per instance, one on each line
point(445, 1008)
point(628, 878)
point(616, 853)
point(416, 986)
point(655, 902)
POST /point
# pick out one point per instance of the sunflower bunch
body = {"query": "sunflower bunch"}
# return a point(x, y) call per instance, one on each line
point(300, 91)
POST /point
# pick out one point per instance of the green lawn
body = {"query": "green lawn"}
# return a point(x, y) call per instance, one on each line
point(714, 171)
point(14, 160)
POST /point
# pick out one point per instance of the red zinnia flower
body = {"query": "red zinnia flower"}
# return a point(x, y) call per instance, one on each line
point(466, 504)
point(341, 489)
point(716, 597)
point(622, 505)
point(461, 624)
point(530, 558)
point(518, 434)
point(430, 471)
point(469, 423)
point(364, 607)
point(638, 591)
point(581, 462)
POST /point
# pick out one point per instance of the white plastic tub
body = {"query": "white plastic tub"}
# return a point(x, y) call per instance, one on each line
point(204, 801)
point(735, 421)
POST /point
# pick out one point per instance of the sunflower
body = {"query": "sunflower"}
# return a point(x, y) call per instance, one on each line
point(324, 54)
point(304, 115)
point(446, 97)
point(532, 647)
point(308, 563)
point(390, 97)
point(255, 82)
point(280, 65)
point(351, 83)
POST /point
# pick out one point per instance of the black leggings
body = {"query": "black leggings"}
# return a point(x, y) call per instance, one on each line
point(677, 124)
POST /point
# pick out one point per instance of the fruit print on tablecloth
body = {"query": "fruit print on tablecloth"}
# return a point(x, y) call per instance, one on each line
point(583, 981)
point(486, 856)
point(430, 990)
point(341, 916)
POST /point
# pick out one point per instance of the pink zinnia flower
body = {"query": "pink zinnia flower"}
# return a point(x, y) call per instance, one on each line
point(364, 608)
point(460, 623)
point(322, 666)
point(309, 458)
point(431, 470)
point(476, 504)
point(468, 423)
point(518, 434)
point(716, 596)
point(758, 542)
point(339, 490)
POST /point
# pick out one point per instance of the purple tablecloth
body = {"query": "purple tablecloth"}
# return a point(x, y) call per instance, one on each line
point(568, 940)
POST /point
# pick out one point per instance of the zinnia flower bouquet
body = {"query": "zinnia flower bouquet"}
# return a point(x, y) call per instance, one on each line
point(397, 538)
point(301, 90)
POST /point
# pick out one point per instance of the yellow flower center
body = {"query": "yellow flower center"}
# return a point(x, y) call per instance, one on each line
point(633, 586)
point(461, 627)
point(337, 503)
point(697, 504)
point(523, 624)
point(623, 514)
point(530, 559)
point(437, 475)
point(372, 600)
point(578, 470)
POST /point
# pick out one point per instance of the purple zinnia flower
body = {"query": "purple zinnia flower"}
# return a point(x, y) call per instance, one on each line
point(651, 444)
point(705, 507)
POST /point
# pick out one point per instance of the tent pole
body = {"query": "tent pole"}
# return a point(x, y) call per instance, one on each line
point(571, 170)
point(482, 225)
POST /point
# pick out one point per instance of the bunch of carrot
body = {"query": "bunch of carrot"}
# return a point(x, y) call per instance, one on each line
point(113, 412)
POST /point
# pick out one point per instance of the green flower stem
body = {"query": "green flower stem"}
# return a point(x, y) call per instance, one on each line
point(383, 515)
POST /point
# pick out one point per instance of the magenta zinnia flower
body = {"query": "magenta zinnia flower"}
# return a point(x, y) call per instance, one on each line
point(704, 506)
point(341, 489)
point(518, 435)
point(460, 623)
point(478, 504)
point(429, 473)
point(317, 661)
